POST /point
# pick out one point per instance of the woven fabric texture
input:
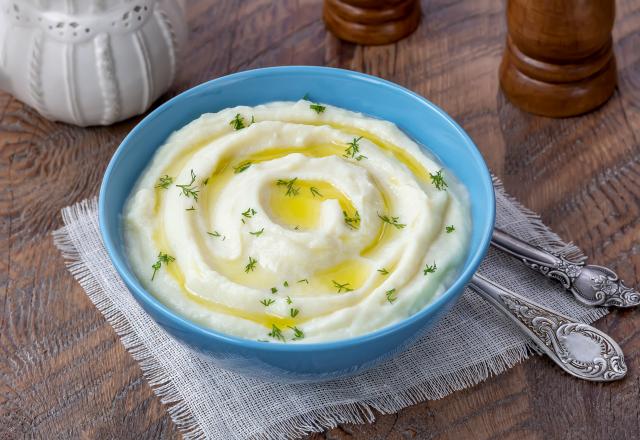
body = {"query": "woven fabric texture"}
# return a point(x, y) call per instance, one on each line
point(471, 343)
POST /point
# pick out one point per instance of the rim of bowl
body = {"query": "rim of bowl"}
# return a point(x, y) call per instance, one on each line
point(455, 289)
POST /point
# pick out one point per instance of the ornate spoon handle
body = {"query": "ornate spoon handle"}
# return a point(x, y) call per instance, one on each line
point(523, 250)
point(590, 284)
point(580, 349)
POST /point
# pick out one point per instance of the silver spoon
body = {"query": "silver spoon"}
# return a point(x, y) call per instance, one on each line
point(579, 349)
point(590, 284)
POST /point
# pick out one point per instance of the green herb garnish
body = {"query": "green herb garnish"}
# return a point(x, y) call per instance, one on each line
point(162, 258)
point(297, 333)
point(317, 108)
point(391, 295)
point(242, 167)
point(437, 180)
point(383, 271)
point(289, 300)
point(238, 122)
point(257, 233)
point(315, 192)
point(274, 290)
point(430, 269)
point(190, 209)
point(164, 182)
point(292, 190)
point(286, 284)
point(293, 312)
point(251, 266)
point(249, 213)
point(352, 222)
point(156, 267)
point(450, 229)
point(267, 302)
point(188, 190)
point(217, 235)
point(393, 221)
point(205, 181)
point(276, 333)
point(353, 148)
point(304, 280)
point(342, 287)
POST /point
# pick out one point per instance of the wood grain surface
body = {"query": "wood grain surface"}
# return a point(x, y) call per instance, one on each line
point(559, 58)
point(63, 373)
point(371, 22)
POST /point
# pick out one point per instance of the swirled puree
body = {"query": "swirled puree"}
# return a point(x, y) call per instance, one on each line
point(295, 221)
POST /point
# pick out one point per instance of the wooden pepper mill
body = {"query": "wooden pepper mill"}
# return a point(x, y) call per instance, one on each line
point(371, 21)
point(559, 60)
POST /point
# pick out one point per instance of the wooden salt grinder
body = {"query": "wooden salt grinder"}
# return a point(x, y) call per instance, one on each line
point(371, 22)
point(559, 60)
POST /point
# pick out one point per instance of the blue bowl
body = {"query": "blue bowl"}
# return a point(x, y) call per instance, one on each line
point(416, 116)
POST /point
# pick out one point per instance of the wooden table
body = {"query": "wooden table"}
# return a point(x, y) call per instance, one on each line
point(63, 373)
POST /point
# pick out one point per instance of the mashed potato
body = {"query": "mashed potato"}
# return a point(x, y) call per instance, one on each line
point(295, 222)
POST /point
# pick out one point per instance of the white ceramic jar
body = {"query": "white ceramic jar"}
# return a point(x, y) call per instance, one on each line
point(89, 62)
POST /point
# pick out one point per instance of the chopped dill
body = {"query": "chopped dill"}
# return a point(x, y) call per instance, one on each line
point(292, 190)
point(317, 108)
point(393, 221)
point(352, 150)
point(251, 266)
point(164, 182)
point(430, 269)
point(352, 222)
point(297, 333)
point(391, 295)
point(217, 235)
point(342, 287)
point(437, 180)
point(249, 213)
point(242, 166)
point(162, 258)
point(276, 333)
point(188, 190)
point(238, 122)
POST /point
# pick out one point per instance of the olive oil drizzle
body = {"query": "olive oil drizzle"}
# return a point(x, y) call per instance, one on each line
point(266, 319)
point(224, 172)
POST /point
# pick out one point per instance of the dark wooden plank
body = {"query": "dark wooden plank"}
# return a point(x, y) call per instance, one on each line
point(63, 373)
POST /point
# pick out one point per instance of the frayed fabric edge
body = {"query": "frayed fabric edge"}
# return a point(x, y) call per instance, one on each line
point(158, 378)
point(363, 411)
point(318, 420)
